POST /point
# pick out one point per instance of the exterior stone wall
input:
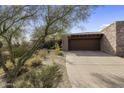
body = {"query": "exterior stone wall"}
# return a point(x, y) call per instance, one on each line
point(112, 41)
point(120, 38)
point(108, 41)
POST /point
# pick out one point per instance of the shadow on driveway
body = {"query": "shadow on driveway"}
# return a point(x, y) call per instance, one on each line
point(94, 69)
point(109, 81)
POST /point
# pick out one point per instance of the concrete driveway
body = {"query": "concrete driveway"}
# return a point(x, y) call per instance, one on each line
point(94, 69)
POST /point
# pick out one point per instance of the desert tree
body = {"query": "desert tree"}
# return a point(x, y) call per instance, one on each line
point(12, 21)
point(56, 19)
point(50, 21)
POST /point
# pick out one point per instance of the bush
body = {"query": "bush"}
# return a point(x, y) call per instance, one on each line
point(58, 50)
point(23, 70)
point(34, 61)
point(23, 84)
point(19, 51)
point(51, 76)
point(48, 77)
point(9, 65)
point(1, 72)
point(49, 44)
point(42, 53)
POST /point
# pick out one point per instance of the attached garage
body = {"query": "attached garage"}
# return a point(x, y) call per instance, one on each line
point(87, 41)
point(84, 44)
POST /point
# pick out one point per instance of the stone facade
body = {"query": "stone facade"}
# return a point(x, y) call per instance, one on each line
point(113, 40)
point(108, 41)
point(120, 38)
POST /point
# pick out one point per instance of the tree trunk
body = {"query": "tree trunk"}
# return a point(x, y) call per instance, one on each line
point(3, 64)
point(11, 52)
point(27, 56)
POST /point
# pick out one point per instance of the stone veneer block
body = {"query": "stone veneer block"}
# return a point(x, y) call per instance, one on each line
point(120, 38)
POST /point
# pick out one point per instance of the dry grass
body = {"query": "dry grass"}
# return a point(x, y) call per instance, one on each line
point(42, 53)
point(60, 60)
point(34, 61)
point(46, 77)
point(42, 58)
point(1, 72)
point(37, 58)
point(9, 66)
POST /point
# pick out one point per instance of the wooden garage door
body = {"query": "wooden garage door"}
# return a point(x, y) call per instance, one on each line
point(84, 44)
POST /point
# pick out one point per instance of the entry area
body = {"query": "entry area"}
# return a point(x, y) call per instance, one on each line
point(90, 42)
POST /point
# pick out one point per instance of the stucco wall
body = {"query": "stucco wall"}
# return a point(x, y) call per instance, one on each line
point(65, 43)
point(108, 41)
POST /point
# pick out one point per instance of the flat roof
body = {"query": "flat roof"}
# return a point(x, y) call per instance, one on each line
point(88, 33)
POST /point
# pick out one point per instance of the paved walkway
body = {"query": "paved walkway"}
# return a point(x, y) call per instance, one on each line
point(94, 69)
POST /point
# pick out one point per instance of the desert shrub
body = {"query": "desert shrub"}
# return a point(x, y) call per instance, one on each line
point(58, 50)
point(42, 53)
point(49, 44)
point(51, 76)
point(23, 71)
point(34, 61)
point(9, 65)
point(48, 77)
point(29, 80)
point(19, 51)
point(5, 56)
point(1, 72)
point(23, 84)
point(9, 77)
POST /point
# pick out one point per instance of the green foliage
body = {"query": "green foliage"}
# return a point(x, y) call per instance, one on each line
point(22, 71)
point(51, 76)
point(42, 53)
point(47, 78)
point(16, 19)
point(58, 50)
point(19, 51)
point(9, 77)
point(34, 61)
point(9, 65)
point(23, 84)
point(49, 44)
point(1, 72)
point(1, 44)
point(29, 80)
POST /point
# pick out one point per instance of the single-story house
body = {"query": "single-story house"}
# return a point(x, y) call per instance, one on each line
point(109, 40)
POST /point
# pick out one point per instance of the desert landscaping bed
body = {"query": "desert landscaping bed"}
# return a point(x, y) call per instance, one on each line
point(48, 59)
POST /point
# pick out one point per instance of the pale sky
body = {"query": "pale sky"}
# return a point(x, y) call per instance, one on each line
point(101, 17)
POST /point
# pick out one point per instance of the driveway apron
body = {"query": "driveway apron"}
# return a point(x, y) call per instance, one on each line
point(94, 69)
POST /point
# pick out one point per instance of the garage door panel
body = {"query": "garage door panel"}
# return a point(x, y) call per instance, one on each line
point(84, 44)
